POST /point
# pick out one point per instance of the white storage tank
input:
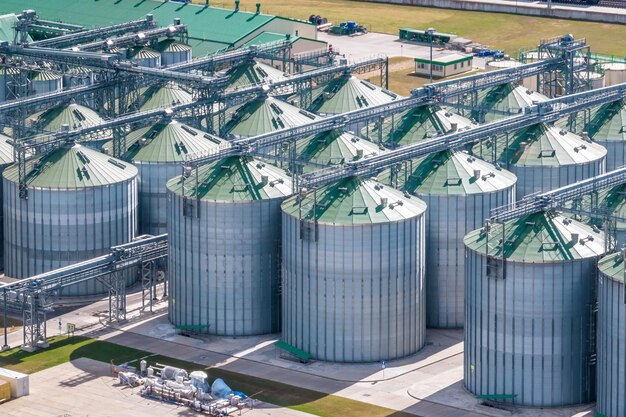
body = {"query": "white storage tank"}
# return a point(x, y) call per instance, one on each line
point(529, 317)
point(544, 157)
point(614, 72)
point(460, 191)
point(353, 272)
point(596, 80)
point(611, 325)
point(173, 52)
point(224, 247)
point(80, 203)
point(158, 152)
point(145, 57)
point(528, 82)
point(42, 82)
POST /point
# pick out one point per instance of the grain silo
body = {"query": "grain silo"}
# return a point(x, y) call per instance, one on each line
point(252, 73)
point(173, 52)
point(80, 203)
point(353, 272)
point(614, 72)
point(158, 151)
point(544, 157)
point(6, 159)
point(528, 82)
point(408, 127)
point(529, 316)
point(145, 57)
point(265, 115)
point(224, 247)
point(161, 96)
point(607, 127)
point(503, 101)
point(460, 191)
point(611, 337)
point(42, 82)
point(77, 76)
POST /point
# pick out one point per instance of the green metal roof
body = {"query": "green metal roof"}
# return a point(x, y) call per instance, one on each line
point(510, 98)
point(6, 150)
point(168, 141)
point(332, 148)
point(72, 167)
point(414, 125)
point(350, 93)
point(269, 37)
point(159, 96)
point(442, 62)
point(266, 115)
point(252, 73)
point(74, 115)
point(449, 173)
point(608, 122)
point(355, 201)
point(542, 145)
point(538, 238)
point(144, 53)
point(172, 45)
point(236, 179)
point(612, 266)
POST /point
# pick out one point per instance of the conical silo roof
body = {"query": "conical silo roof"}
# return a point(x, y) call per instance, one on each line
point(74, 115)
point(172, 45)
point(608, 122)
point(143, 52)
point(450, 173)
point(252, 73)
point(235, 179)
point(543, 145)
point(421, 123)
point(266, 115)
point(334, 147)
point(71, 167)
point(613, 267)
point(505, 100)
point(163, 96)
point(6, 150)
point(538, 237)
point(354, 201)
point(350, 93)
point(168, 141)
point(45, 76)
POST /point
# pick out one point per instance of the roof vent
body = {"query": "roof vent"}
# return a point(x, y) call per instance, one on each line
point(574, 238)
point(149, 17)
point(236, 5)
point(476, 174)
point(258, 8)
point(359, 153)
point(586, 136)
point(187, 172)
point(384, 201)
point(453, 127)
point(177, 20)
point(265, 180)
point(562, 132)
point(65, 127)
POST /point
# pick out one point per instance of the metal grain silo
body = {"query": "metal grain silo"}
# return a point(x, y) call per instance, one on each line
point(607, 127)
point(353, 272)
point(611, 337)
point(145, 57)
point(6, 159)
point(173, 52)
point(615, 73)
point(544, 157)
point(161, 96)
point(42, 82)
point(503, 101)
point(252, 73)
point(528, 82)
point(77, 76)
point(529, 317)
point(460, 190)
point(158, 151)
point(80, 203)
point(224, 247)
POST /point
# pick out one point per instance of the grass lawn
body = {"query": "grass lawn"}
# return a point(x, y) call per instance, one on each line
point(317, 403)
point(503, 31)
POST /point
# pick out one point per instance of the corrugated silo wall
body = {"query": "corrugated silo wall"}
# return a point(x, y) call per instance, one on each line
point(529, 334)
point(532, 179)
point(611, 348)
point(357, 294)
point(153, 178)
point(224, 266)
point(58, 227)
point(449, 219)
point(616, 153)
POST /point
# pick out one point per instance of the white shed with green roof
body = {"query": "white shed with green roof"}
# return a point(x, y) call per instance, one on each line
point(444, 64)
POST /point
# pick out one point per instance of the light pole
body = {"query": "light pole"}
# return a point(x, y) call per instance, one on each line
point(430, 32)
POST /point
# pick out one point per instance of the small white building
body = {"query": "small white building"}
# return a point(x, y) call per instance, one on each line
point(444, 64)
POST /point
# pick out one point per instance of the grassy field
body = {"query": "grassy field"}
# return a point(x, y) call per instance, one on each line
point(313, 402)
point(503, 31)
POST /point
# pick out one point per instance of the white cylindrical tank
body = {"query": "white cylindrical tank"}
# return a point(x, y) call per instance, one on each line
point(146, 57)
point(596, 80)
point(80, 203)
point(615, 73)
point(528, 82)
point(158, 152)
point(224, 227)
point(611, 325)
point(529, 317)
point(353, 272)
point(42, 82)
point(173, 52)
point(460, 191)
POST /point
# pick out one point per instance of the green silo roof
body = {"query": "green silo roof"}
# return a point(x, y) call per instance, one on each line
point(414, 125)
point(74, 115)
point(266, 115)
point(6, 150)
point(168, 141)
point(613, 266)
point(163, 96)
point(450, 173)
point(72, 167)
point(506, 98)
point(611, 201)
point(332, 148)
point(172, 45)
point(7, 23)
point(45, 76)
point(350, 93)
point(608, 122)
point(539, 238)
point(252, 73)
point(542, 145)
point(238, 179)
point(144, 52)
point(355, 201)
